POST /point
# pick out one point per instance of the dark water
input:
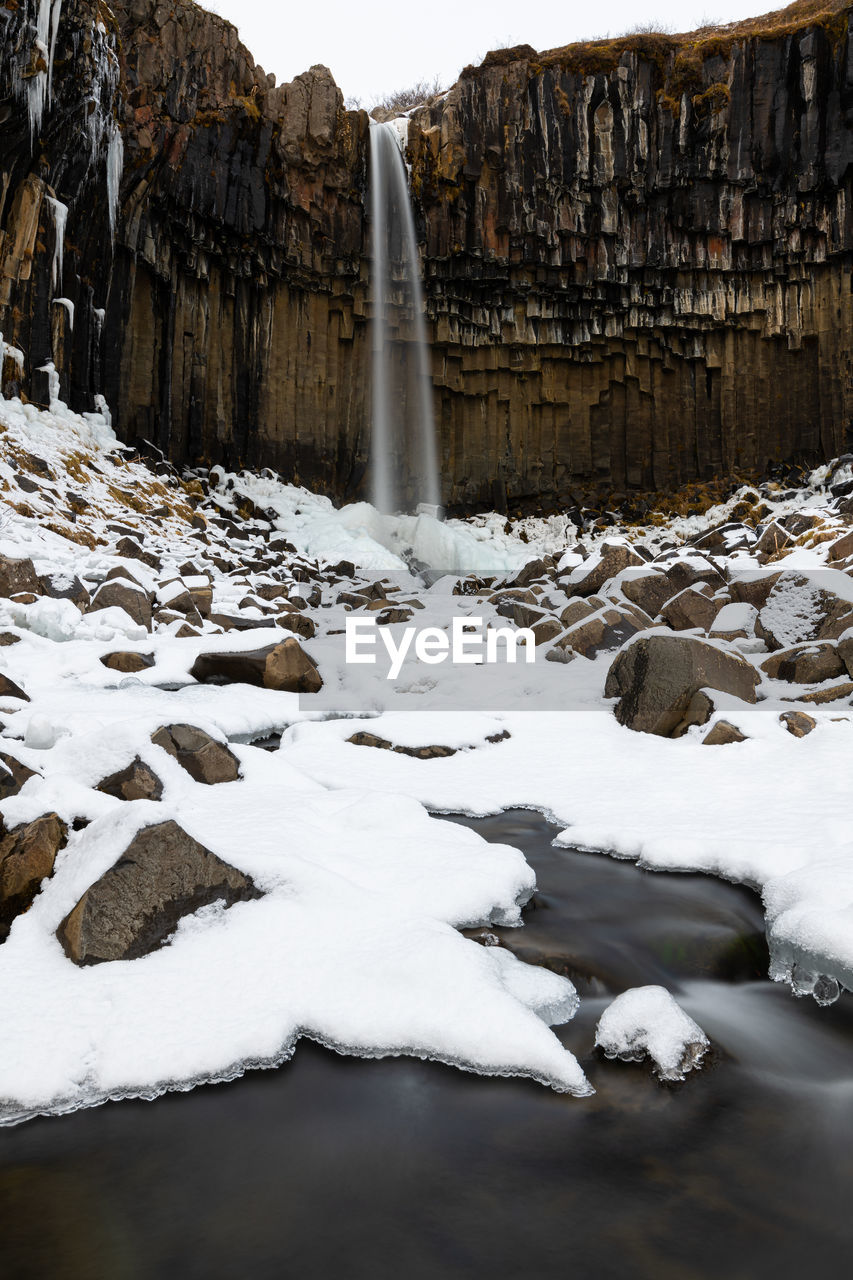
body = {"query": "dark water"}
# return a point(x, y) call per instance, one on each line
point(333, 1167)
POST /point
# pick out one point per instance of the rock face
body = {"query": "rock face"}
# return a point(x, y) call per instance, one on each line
point(162, 875)
point(656, 677)
point(637, 253)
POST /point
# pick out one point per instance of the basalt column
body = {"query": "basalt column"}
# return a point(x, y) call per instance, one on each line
point(638, 259)
point(637, 254)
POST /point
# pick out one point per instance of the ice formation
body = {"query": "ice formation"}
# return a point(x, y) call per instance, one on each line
point(647, 1021)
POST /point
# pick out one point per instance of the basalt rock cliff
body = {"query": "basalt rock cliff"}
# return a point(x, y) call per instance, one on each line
point(638, 254)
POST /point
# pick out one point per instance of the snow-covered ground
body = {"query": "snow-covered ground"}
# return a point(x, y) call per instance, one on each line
point(355, 940)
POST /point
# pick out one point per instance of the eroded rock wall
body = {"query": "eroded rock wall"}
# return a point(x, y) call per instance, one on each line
point(638, 255)
point(637, 288)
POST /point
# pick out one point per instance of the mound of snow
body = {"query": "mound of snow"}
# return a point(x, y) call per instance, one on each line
point(647, 1021)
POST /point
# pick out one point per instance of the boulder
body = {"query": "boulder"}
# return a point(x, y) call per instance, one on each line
point(691, 608)
point(8, 638)
point(8, 689)
point(177, 597)
point(729, 536)
point(691, 571)
point(124, 594)
point(649, 591)
point(303, 625)
point(61, 586)
point(131, 911)
point(204, 759)
point(384, 618)
point(607, 628)
point(201, 594)
point(136, 782)
point(544, 625)
point(656, 676)
point(611, 559)
point(799, 522)
point(546, 629)
point(753, 588)
point(432, 752)
point(531, 571)
point(129, 549)
point(798, 723)
point(801, 608)
point(27, 856)
point(127, 661)
point(13, 775)
point(845, 652)
point(699, 710)
point(723, 734)
point(576, 610)
point(835, 693)
point(805, 664)
point(17, 576)
point(286, 667)
point(735, 621)
point(775, 538)
point(841, 548)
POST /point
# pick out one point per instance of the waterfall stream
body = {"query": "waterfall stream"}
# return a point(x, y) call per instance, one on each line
point(403, 455)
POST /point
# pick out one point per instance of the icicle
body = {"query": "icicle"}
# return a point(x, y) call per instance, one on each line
point(60, 218)
point(54, 28)
point(52, 380)
point(37, 83)
point(69, 307)
point(115, 164)
point(104, 410)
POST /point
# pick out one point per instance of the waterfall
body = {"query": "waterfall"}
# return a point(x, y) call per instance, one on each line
point(403, 456)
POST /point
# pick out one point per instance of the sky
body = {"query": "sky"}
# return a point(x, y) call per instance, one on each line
point(375, 48)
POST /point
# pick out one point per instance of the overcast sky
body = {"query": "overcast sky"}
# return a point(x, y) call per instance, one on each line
point(374, 48)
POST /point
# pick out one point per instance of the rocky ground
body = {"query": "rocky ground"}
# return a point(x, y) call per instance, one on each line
point(194, 780)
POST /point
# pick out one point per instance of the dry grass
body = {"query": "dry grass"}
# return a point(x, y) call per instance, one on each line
point(679, 58)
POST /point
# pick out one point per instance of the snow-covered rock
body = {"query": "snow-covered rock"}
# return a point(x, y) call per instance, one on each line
point(648, 1022)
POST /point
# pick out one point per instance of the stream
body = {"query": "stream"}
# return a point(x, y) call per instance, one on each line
point(336, 1166)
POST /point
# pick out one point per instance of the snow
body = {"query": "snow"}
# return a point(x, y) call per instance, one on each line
point(735, 617)
point(53, 381)
point(8, 352)
point(355, 942)
point(648, 1021)
point(792, 608)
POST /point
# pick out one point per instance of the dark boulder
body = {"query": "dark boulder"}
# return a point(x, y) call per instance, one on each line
point(131, 911)
point(656, 677)
point(286, 667)
point(27, 857)
point(204, 759)
point(136, 782)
